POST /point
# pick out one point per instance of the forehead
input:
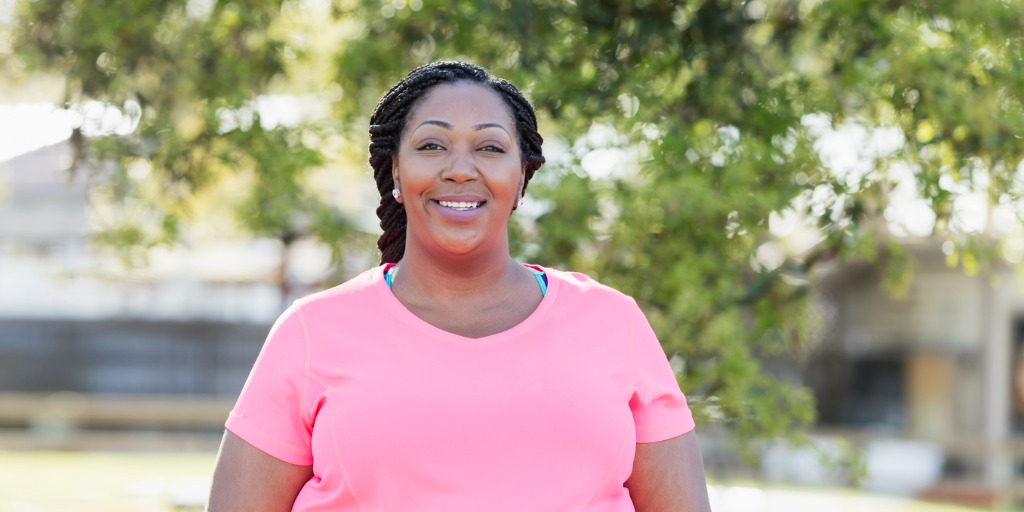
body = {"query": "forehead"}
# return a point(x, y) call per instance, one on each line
point(462, 103)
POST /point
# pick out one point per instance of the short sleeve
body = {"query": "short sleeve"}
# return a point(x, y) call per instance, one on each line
point(659, 407)
point(269, 412)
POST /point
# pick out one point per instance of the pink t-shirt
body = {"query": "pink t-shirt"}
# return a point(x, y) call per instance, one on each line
point(395, 414)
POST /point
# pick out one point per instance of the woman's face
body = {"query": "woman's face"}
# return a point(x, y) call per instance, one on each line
point(459, 169)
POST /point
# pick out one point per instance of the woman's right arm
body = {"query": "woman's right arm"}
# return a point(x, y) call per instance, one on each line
point(246, 479)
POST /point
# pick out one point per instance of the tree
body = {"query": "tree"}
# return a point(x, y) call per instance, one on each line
point(182, 83)
point(716, 101)
point(714, 110)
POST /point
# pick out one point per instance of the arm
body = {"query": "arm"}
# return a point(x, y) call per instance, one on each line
point(669, 476)
point(246, 479)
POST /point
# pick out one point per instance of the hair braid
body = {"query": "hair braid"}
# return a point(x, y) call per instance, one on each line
point(388, 120)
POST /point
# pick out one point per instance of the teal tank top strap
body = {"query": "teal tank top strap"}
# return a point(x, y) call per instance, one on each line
point(541, 281)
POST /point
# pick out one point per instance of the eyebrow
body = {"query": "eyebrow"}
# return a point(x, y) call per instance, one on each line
point(481, 126)
point(448, 126)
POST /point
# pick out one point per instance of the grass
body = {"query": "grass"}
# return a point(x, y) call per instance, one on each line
point(753, 497)
point(107, 482)
point(153, 482)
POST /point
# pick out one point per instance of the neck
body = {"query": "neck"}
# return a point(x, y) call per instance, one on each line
point(461, 275)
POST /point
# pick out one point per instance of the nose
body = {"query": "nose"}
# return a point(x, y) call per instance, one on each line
point(461, 168)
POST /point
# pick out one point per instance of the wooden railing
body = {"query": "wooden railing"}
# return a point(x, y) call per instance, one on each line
point(76, 421)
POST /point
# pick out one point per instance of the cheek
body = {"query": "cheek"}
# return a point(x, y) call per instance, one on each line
point(512, 183)
point(412, 170)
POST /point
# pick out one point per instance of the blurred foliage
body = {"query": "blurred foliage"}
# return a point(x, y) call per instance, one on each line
point(168, 94)
point(716, 108)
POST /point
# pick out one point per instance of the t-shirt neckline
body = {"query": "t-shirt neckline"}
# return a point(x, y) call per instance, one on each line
point(396, 310)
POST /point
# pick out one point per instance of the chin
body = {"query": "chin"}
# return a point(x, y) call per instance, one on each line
point(459, 246)
point(458, 249)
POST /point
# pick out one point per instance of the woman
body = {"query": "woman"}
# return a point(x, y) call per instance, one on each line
point(452, 377)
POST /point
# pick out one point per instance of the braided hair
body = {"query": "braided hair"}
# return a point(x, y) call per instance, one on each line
point(389, 119)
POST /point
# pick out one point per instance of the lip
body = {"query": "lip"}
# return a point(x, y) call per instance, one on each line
point(457, 215)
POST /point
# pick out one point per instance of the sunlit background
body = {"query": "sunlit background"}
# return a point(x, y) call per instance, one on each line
point(834, 227)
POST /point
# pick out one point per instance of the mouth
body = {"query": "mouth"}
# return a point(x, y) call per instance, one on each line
point(461, 206)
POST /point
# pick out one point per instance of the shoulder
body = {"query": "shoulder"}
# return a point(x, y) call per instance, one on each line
point(360, 289)
point(579, 287)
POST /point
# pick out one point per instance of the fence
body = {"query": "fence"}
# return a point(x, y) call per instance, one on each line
point(64, 420)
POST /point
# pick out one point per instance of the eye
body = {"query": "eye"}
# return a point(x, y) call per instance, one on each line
point(491, 148)
point(429, 146)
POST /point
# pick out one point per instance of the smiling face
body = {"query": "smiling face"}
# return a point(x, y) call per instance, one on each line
point(459, 169)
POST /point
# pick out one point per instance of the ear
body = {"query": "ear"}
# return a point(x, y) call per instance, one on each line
point(522, 183)
point(394, 175)
point(520, 191)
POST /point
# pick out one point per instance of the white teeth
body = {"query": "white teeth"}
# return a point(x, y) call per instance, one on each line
point(459, 205)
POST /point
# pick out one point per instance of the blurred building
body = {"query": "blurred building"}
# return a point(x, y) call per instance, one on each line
point(936, 377)
point(73, 319)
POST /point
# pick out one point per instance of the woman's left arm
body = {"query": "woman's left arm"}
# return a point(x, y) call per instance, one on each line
point(669, 476)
